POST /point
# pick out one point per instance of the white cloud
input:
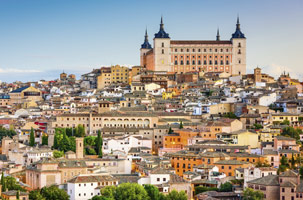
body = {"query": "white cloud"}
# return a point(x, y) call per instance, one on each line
point(11, 70)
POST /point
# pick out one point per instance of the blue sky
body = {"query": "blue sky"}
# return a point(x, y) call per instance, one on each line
point(40, 39)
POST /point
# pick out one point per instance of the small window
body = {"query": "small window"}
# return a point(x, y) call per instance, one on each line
point(162, 44)
point(162, 51)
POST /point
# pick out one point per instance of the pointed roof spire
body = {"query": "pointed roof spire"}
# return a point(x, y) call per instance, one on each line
point(161, 33)
point(146, 44)
point(238, 33)
point(238, 23)
point(218, 35)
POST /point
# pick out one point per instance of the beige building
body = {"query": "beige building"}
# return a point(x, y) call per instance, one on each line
point(119, 74)
point(94, 122)
point(220, 108)
point(181, 56)
point(47, 172)
point(23, 94)
point(104, 79)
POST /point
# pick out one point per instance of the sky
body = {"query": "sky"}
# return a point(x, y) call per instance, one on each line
point(39, 39)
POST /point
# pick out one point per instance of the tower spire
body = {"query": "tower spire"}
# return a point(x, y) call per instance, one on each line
point(161, 24)
point(146, 44)
point(218, 35)
point(238, 33)
point(146, 35)
point(238, 23)
point(161, 33)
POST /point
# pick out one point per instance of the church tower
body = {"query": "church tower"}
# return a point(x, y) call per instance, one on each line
point(162, 59)
point(239, 51)
point(257, 75)
point(145, 47)
point(79, 148)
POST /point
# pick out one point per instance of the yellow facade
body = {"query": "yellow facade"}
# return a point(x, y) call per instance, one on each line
point(248, 138)
point(119, 74)
point(167, 95)
point(220, 108)
point(103, 80)
point(268, 136)
point(277, 118)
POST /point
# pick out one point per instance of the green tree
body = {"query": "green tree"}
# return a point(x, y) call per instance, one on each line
point(6, 132)
point(11, 184)
point(58, 154)
point(54, 193)
point(152, 191)
point(226, 187)
point(285, 122)
point(283, 164)
point(230, 115)
point(101, 198)
point(3, 182)
point(131, 192)
point(32, 138)
point(80, 131)
point(174, 195)
point(90, 151)
point(72, 141)
point(283, 161)
point(44, 140)
point(99, 144)
point(18, 195)
point(65, 143)
point(181, 125)
point(35, 195)
point(257, 126)
point(109, 192)
point(170, 131)
point(301, 172)
point(293, 162)
point(292, 132)
point(250, 194)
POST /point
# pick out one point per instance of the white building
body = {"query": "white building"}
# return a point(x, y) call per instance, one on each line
point(36, 154)
point(266, 100)
point(252, 173)
point(125, 143)
point(85, 186)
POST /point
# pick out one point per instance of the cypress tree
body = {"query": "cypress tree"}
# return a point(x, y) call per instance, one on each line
point(3, 183)
point(181, 125)
point(18, 195)
point(56, 144)
point(32, 138)
point(65, 143)
point(99, 144)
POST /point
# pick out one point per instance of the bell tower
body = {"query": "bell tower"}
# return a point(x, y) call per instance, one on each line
point(239, 51)
point(162, 59)
point(145, 47)
point(79, 148)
